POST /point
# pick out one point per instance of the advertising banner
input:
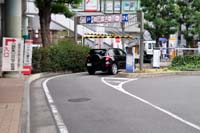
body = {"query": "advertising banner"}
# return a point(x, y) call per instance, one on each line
point(91, 5)
point(12, 54)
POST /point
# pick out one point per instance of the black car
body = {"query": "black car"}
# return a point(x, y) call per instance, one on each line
point(106, 60)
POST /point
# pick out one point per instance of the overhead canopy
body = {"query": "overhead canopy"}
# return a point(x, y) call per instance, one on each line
point(163, 39)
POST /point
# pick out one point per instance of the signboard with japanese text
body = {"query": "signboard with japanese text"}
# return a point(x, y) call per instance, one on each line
point(27, 68)
point(108, 6)
point(28, 53)
point(103, 19)
point(12, 54)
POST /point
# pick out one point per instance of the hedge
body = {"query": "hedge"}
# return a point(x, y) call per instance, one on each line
point(63, 56)
point(186, 63)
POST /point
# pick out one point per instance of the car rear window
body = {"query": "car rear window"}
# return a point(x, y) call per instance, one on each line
point(98, 51)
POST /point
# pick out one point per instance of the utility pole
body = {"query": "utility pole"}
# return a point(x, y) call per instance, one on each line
point(123, 29)
point(75, 28)
point(141, 17)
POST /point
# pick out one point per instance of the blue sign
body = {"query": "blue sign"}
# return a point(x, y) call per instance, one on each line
point(130, 63)
point(163, 39)
point(124, 17)
point(130, 60)
point(88, 19)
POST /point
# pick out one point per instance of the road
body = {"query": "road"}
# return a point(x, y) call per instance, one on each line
point(109, 104)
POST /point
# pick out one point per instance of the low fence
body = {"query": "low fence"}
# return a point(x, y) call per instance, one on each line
point(169, 53)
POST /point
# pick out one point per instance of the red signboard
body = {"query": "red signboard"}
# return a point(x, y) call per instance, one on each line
point(117, 40)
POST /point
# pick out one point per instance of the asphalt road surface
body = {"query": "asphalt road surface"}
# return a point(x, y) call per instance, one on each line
point(109, 104)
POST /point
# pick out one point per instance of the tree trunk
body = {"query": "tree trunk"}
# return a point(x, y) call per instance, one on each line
point(45, 19)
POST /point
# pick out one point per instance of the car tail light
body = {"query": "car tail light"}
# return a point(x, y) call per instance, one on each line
point(107, 58)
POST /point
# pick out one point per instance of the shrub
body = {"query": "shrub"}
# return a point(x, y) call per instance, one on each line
point(186, 63)
point(62, 56)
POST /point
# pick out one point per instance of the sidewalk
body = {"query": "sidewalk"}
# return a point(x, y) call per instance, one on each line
point(11, 98)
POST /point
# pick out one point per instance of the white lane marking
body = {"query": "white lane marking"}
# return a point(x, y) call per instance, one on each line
point(114, 81)
point(119, 88)
point(59, 121)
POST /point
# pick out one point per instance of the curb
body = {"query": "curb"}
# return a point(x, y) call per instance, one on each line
point(25, 110)
point(161, 74)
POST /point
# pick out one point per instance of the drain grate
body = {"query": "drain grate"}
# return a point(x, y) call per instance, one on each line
point(79, 99)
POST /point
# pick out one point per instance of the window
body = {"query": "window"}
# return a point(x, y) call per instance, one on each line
point(122, 53)
point(116, 51)
point(149, 46)
point(130, 5)
point(111, 52)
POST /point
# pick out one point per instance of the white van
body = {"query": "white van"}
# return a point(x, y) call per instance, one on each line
point(148, 50)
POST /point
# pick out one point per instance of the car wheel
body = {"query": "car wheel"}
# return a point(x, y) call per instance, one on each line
point(91, 71)
point(114, 69)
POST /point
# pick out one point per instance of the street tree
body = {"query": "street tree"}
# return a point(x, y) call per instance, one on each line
point(196, 7)
point(46, 8)
point(186, 20)
point(161, 17)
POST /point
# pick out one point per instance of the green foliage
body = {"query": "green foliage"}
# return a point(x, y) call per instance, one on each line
point(196, 6)
point(187, 18)
point(186, 63)
point(60, 57)
point(169, 16)
point(57, 6)
point(46, 8)
point(161, 17)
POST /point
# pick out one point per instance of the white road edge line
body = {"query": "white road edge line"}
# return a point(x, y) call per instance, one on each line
point(58, 119)
point(119, 88)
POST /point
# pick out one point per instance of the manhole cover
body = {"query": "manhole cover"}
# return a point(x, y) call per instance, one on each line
point(79, 99)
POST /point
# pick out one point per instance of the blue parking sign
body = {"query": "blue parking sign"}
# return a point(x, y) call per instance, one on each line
point(88, 19)
point(124, 17)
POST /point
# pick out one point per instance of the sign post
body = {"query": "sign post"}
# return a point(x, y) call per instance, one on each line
point(199, 47)
point(12, 54)
point(130, 60)
point(27, 57)
point(156, 58)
